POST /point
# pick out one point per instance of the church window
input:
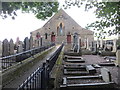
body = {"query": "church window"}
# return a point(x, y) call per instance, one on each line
point(60, 29)
point(46, 35)
point(38, 35)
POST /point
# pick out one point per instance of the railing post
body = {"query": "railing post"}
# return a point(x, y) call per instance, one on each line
point(47, 72)
point(43, 77)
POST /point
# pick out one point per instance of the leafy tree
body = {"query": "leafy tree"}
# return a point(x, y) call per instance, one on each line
point(42, 10)
point(108, 14)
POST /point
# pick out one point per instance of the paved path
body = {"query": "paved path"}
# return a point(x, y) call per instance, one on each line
point(19, 80)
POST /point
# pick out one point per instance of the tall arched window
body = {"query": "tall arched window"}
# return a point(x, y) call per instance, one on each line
point(46, 35)
point(60, 29)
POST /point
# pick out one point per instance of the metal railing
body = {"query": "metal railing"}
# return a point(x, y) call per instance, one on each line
point(11, 60)
point(40, 78)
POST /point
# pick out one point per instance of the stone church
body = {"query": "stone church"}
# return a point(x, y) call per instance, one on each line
point(62, 28)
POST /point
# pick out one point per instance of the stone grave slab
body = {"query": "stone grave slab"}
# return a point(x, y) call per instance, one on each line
point(75, 60)
point(80, 67)
point(72, 57)
point(90, 69)
point(96, 66)
point(85, 81)
point(76, 73)
point(106, 76)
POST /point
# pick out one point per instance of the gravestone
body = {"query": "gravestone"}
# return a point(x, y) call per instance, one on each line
point(88, 44)
point(5, 48)
point(11, 47)
point(101, 44)
point(117, 62)
point(0, 48)
point(79, 45)
point(92, 46)
point(114, 46)
point(20, 48)
point(31, 42)
point(106, 76)
point(26, 44)
point(41, 41)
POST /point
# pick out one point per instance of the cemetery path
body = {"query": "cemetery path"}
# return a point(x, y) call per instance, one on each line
point(19, 80)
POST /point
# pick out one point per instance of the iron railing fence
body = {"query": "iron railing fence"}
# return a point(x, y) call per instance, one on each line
point(39, 80)
point(11, 60)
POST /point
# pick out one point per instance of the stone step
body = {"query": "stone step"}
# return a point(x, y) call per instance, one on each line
point(72, 57)
point(75, 67)
point(84, 77)
point(75, 60)
point(90, 84)
point(76, 73)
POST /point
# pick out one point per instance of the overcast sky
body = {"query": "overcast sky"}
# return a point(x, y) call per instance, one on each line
point(25, 23)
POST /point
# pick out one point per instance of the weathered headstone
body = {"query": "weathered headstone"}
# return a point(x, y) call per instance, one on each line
point(26, 44)
point(41, 41)
point(11, 47)
point(106, 76)
point(0, 48)
point(31, 42)
point(5, 48)
point(114, 46)
point(88, 44)
point(117, 62)
point(20, 48)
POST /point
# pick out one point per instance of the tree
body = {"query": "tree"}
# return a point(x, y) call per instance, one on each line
point(42, 10)
point(108, 14)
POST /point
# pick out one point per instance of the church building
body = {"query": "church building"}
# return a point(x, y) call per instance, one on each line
point(62, 28)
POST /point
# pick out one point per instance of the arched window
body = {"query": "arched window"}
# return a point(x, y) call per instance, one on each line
point(38, 35)
point(60, 28)
point(46, 35)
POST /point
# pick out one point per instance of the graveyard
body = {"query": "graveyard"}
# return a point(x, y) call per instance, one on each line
point(63, 59)
point(71, 68)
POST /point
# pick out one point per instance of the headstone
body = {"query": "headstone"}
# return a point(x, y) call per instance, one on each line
point(92, 46)
point(41, 41)
point(5, 48)
point(31, 42)
point(87, 44)
point(79, 45)
point(20, 48)
point(106, 76)
point(26, 44)
point(101, 44)
point(0, 48)
point(117, 62)
point(114, 46)
point(11, 47)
